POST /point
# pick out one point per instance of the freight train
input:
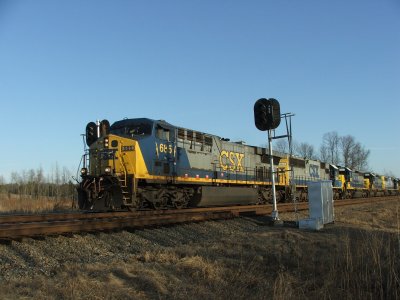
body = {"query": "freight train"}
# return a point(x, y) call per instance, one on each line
point(143, 163)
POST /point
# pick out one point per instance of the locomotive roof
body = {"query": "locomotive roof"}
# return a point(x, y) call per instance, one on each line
point(127, 122)
point(163, 122)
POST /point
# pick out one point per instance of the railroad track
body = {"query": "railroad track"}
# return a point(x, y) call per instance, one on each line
point(18, 226)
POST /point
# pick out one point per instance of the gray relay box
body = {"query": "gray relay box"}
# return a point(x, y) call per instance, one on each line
point(320, 205)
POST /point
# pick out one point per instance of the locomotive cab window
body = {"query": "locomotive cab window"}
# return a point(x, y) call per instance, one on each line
point(163, 133)
point(131, 128)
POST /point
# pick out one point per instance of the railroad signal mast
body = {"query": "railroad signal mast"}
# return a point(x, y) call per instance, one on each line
point(267, 117)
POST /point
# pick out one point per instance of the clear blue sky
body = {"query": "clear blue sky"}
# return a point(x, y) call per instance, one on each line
point(197, 64)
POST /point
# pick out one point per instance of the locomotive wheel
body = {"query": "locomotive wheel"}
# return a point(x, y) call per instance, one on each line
point(280, 196)
point(157, 205)
point(130, 208)
point(180, 198)
point(288, 195)
point(178, 204)
point(264, 196)
point(160, 203)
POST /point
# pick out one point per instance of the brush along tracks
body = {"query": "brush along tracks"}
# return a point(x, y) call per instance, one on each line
point(18, 226)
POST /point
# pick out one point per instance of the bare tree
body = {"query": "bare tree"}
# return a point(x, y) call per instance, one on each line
point(354, 155)
point(39, 180)
point(282, 146)
point(360, 157)
point(329, 150)
point(389, 173)
point(66, 175)
point(348, 144)
point(34, 183)
point(323, 153)
point(305, 150)
point(2, 182)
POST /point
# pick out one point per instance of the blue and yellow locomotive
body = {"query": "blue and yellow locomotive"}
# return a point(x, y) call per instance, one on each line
point(349, 184)
point(139, 163)
point(145, 163)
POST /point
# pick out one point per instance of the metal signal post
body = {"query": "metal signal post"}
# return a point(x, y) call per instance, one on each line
point(274, 215)
point(267, 116)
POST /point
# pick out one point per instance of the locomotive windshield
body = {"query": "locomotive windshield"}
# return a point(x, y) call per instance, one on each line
point(132, 128)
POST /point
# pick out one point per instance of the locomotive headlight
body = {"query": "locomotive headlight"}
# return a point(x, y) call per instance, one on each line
point(106, 142)
point(107, 170)
point(84, 171)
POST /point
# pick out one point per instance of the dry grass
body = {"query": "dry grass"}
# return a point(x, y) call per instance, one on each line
point(25, 204)
point(236, 259)
point(358, 268)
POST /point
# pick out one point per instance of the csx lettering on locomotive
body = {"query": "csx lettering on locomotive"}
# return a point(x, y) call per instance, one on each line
point(314, 171)
point(231, 161)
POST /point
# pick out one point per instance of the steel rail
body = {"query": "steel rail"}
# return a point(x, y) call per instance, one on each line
point(25, 218)
point(17, 226)
point(28, 218)
point(18, 230)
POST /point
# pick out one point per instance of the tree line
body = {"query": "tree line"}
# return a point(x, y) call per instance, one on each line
point(334, 149)
point(36, 184)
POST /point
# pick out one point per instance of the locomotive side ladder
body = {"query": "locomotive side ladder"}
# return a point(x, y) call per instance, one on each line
point(123, 181)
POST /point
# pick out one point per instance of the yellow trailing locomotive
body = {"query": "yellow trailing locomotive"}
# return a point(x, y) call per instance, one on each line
point(145, 163)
